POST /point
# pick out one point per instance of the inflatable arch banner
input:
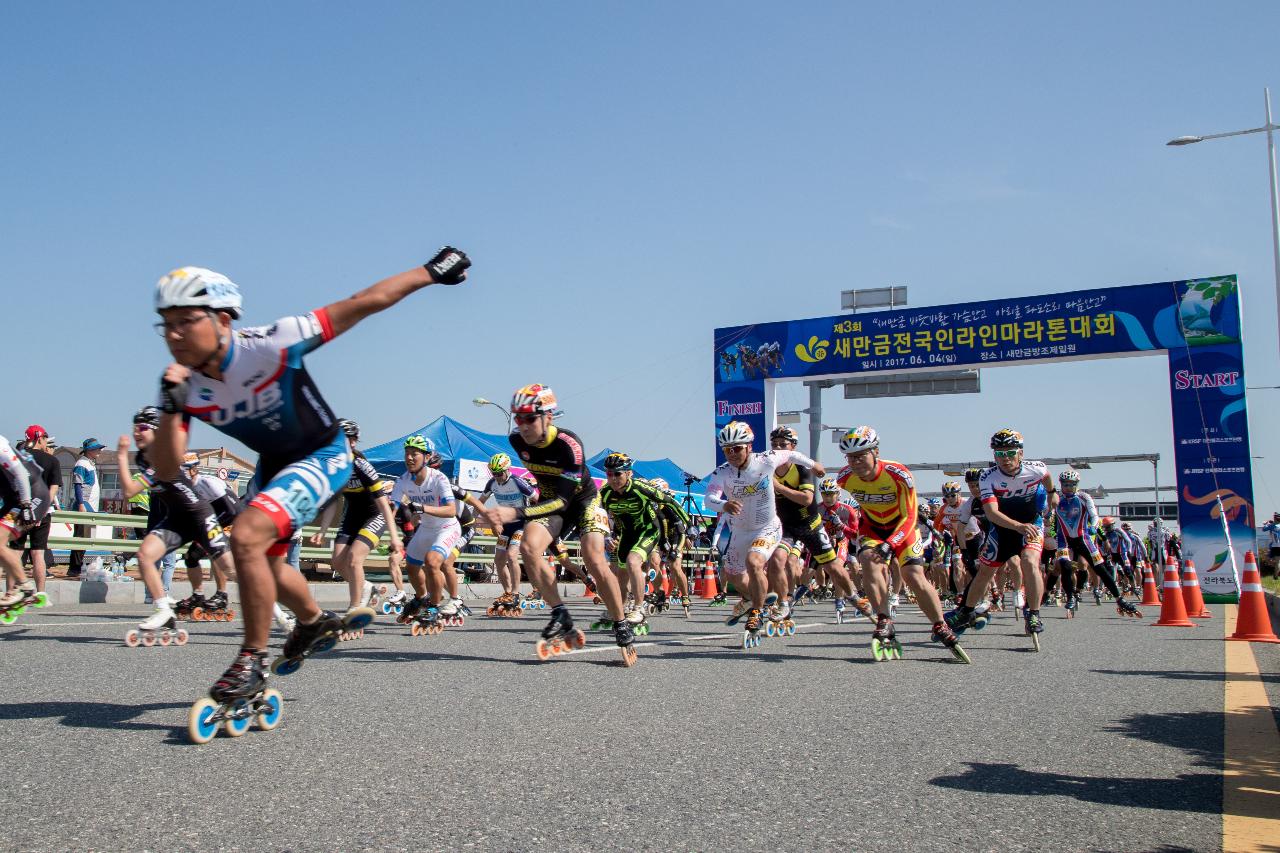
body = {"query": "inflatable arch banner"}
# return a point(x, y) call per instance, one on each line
point(1196, 323)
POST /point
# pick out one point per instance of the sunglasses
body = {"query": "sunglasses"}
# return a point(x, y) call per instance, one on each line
point(1006, 454)
point(614, 473)
point(525, 420)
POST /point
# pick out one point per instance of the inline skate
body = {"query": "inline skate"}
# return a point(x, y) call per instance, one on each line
point(943, 634)
point(214, 610)
point(559, 635)
point(625, 638)
point(884, 640)
point(1033, 626)
point(160, 627)
point(1128, 608)
point(184, 609)
point(751, 631)
point(239, 699)
point(16, 601)
point(320, 636)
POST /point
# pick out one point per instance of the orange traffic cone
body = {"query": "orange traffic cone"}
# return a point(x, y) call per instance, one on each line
point(709, 586)
point(1173, 613)
point(1150, 598)
point(1253, 625)
point(1191, 596)
point(666, 583)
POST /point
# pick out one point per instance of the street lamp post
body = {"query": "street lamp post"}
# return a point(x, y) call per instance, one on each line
point(1268, 129)
point(481, 402)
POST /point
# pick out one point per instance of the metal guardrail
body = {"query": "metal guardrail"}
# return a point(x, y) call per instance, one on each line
point(309, 553)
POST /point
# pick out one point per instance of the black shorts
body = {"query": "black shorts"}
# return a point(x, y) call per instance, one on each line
point(178, 516)
point(581, 515)
point(37, 538)
point(363, 529)
point(11, 509)
point(817, 540)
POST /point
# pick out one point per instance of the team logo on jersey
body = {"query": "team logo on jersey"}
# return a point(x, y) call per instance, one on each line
point(748, 489)
point(336, 464)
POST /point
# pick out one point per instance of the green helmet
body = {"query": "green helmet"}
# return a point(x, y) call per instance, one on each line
point(499, 462)
point(419, 442)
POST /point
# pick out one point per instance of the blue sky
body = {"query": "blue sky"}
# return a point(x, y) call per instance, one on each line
point(628, 177)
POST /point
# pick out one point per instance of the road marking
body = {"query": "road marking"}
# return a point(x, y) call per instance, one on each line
point(54, 624)
point(1251, 752)
point(680, 642)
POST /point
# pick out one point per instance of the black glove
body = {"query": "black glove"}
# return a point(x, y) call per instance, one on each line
point(449, 266)
point(173, 396)
point(883, 551)
point(28, 513)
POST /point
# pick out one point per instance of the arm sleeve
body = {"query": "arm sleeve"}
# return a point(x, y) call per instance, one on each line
point(714, 498)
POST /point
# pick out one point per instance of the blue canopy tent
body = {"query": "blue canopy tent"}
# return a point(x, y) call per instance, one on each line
point(454, 440)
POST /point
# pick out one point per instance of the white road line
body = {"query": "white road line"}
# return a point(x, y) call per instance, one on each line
point(54, 624)
point(680, 642)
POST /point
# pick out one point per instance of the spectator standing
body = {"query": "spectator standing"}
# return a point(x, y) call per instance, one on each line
point(88, 496)
point(36, 541)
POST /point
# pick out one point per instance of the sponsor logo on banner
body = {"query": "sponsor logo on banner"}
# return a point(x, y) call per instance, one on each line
point(473, 475)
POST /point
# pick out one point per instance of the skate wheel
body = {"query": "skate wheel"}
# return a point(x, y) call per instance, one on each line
point(399, 609)
point(381, 589)
point(41, 600)
point(235, 725)
point(286, 666)
point(629, 656)
point(165, 639)
point(197, 614)
point(769, 630)
point(231, 615)
point(148, 640)
point(386, 608)
point(181, 637)
point(415, 629)
point(8, 617)
point(961, 654)
point(358, 617)
point(1035, 641)
point(543, 650)
point(270, 711)
point(578, 639)
point(131, 639)
point(324, 644)
point(201, 727)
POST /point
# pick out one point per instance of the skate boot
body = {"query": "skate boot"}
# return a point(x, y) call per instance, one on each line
point(451, 613)
point(1034, 627)
point(394, 603)
point(739, 610)
point(801, 591)
point(1097, 597)
point(559, 636)
point(605, 622)
point(721, 600)
point(1128, 608)
point(625, 638)
point(1071, 606)
point(864, 606)
point(283, 620)
point(751, 632)
point(426, 622)
point(161, 626)
point(893, 605)
point(686, 603)
point(185, 609)
point(411, 608)
point(839, 604)
point(306, 640)
point(884, 640)
point(637, 620)
point(215, 609)
point(963, 618)
point(15, 602)
point(239, 699)
point(943, 634)
point(499, 606)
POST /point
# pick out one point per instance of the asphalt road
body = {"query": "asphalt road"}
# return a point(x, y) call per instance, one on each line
point(1109, 739)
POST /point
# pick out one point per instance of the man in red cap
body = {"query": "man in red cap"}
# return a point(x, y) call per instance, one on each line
point(36, 540)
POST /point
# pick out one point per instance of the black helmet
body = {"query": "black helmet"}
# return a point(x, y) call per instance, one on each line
point(785, 433)
point(434, 460)
point(350, 429)
point(972, 475)
point(1006, 439)
point(148, 415)
point(617, 462)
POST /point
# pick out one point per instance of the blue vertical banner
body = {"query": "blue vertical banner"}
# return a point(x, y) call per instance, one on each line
point(1196, 322)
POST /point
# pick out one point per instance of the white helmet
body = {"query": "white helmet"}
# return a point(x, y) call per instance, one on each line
point(736, 432)
point(197, 287)
point(859, 439)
